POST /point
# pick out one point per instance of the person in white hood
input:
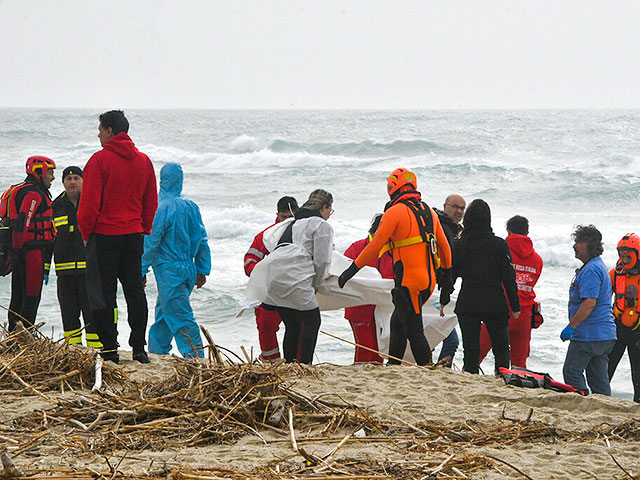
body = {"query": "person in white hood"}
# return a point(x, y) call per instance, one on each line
point(293, 271)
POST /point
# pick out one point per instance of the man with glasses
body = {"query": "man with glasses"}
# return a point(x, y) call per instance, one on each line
point(268, 321)
point(450, 218)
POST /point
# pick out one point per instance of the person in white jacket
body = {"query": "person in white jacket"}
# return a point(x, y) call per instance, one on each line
point(293, 271)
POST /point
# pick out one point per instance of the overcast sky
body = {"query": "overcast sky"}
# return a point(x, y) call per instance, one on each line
point(320, 54)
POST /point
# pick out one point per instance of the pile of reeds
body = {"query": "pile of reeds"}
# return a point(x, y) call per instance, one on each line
point(197, 404)
point(32, 362)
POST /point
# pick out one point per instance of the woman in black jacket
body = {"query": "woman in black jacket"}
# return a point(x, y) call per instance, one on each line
point(483, 260)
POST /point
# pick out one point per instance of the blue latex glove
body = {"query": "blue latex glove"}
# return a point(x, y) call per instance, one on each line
point(567, 333)
point(46, 279)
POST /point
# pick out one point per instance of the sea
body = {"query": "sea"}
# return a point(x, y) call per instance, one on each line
point(558, 168)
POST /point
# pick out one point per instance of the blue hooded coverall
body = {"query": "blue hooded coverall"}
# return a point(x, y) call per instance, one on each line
point(177, 249)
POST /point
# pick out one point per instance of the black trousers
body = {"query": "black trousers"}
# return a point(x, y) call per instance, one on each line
point(301, 333)
point(498, 328)
point(73, 299)
point(405, 325)
point(629, 341)
point(111, 258)
point(26, 287)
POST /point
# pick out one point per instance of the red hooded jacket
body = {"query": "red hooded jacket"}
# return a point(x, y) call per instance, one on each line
point(119, 192)
point(528, 266)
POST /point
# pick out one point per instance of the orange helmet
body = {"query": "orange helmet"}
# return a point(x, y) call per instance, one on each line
point(630, 244)
point(39, 166)
point(401, 177)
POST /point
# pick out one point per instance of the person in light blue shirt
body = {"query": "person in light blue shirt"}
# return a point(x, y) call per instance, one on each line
point(591, 329)
point(178, 251)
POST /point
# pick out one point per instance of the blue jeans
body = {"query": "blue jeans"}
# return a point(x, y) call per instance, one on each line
point(592, 357)
point(449, 345)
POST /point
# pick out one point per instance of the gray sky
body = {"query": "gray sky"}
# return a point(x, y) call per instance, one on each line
point(320, 54)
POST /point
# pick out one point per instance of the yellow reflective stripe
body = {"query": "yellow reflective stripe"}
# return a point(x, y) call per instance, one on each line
point(92, 336)
point(405, 242)
point(58, 221)
point(94, 344)
point(47, 266)
point(70, 265)
point(73, 333)
point(115, 315)
point(75, 340)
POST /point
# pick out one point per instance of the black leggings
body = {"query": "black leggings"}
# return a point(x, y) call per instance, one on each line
point(405, 325)
point(301, 333)
point(627, 341)
point(498, 328)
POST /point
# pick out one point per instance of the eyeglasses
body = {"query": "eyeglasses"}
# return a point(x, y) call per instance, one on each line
point(457, 207)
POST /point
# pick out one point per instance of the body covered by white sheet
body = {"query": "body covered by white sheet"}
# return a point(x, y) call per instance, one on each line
point(367, 287)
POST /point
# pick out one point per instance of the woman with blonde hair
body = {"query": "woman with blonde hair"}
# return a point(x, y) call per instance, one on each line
point(294, 270)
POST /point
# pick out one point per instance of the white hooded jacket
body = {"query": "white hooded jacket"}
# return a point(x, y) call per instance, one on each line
point(290, 274)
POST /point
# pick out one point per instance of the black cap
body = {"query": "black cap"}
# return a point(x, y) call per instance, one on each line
point(287, 204)
point(73, 170)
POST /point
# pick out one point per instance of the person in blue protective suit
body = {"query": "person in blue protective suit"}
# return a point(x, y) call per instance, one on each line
point(178, 251)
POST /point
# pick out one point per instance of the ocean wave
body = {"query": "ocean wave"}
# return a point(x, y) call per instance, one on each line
point(366, 148)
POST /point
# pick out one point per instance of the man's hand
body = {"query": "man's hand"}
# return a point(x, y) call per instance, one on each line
point(45, 277)
point(347, 274)
point(567, 333)
point(200, 280)
point(515, 314)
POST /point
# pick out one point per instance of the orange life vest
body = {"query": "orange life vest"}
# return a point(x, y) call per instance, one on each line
point(626, 289)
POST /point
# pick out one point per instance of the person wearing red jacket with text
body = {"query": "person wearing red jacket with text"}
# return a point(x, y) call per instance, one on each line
point(362, 319)
point(27, 206)
point(118, 203)
point(268, 321)
point(528, 266)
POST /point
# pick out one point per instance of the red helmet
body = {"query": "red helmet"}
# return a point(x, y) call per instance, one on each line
point(39, 166)
point(630, 244)
point(399, 178)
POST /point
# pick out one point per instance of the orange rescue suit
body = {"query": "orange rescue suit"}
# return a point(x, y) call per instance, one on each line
point(412, 266)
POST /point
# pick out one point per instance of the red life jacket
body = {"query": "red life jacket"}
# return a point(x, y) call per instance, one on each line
point(521, 377)
point(41, 230)
point(625, 289)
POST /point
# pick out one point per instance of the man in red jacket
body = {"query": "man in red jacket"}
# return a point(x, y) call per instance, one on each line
point(362, 319)
point(528, 266)
point(117, 206)
point(27, 206)
point(268, 321)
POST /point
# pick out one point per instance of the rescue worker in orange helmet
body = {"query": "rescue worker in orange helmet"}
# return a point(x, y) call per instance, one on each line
point(27, 206)
point(418, 245)
point(625, 280)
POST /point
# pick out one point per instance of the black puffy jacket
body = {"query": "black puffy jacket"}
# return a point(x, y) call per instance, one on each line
point(483, 260)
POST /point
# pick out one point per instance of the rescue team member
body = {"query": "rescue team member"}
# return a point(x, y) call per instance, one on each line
point(70, 263)
point(625, 279)
point(450, 217)
point(591, 329)
point(362, 319)
point(118, 202)
point(483, 261)
point(268, 321)
point(178, 251)
point(528, 266)
point(412, 231)
point(293, 271)
point(27, 205)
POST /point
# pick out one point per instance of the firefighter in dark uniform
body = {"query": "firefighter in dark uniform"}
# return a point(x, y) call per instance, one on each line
point(70, 263)
point(27, 206)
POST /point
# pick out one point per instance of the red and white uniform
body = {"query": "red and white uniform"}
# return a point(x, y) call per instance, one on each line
point(268, 321)
point(362, 319)
point(528, 266)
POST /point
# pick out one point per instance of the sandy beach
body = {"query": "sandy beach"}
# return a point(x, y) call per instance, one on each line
point(401, 422)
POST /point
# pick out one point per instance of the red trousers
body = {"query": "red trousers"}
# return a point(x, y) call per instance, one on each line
point(363, 324)
point(268, 322)
point(519, 338)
